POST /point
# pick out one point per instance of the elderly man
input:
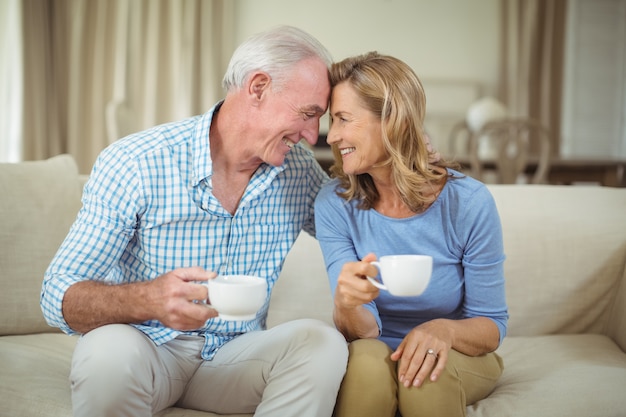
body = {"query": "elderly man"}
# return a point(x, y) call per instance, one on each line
point(165, 210)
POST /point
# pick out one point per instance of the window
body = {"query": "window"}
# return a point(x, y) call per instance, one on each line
point(594, 106)
point(10, 80)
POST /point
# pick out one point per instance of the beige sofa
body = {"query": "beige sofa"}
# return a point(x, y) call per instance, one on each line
point(566, 288)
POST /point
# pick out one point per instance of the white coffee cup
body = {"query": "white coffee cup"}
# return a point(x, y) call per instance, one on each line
point(404, 275)
point(237, 297)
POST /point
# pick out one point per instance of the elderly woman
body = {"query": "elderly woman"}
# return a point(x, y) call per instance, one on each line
point(428, 355)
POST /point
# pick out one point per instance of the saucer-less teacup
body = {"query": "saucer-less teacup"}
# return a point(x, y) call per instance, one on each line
point(404, 275)
point(237, 297)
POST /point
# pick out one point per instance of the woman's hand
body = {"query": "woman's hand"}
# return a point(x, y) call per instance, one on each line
point(471, 336)
point(352, 319)
point(423, 352)
point(353, 289)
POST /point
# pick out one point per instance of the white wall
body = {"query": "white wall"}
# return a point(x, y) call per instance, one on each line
point(453, 45)
point(450, 39)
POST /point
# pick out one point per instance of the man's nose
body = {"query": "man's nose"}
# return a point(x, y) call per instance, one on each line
point(311, 134)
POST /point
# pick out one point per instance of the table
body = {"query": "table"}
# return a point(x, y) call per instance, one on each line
point(609, 172)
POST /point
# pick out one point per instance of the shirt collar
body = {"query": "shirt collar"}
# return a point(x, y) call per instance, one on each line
point(201, 149)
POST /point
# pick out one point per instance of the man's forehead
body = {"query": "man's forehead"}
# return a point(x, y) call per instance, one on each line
point(308, 88)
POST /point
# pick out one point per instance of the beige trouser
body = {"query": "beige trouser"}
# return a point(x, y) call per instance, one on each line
point(293, 369)
point(371, 389)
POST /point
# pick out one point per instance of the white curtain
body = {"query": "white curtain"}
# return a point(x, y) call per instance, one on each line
point(10, 80)
point(96, 70)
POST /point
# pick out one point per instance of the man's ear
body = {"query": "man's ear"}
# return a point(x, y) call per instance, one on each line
point(259, 84)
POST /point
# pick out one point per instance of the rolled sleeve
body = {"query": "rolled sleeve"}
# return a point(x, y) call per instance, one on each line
point(52, 293)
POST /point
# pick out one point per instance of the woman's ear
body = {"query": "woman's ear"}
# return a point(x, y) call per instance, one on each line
point(259, 84)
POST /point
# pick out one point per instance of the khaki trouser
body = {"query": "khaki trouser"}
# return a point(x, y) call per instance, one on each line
point(293, 369)
point(371, 389)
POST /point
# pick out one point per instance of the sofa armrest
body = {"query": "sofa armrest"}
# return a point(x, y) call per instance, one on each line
point(617, 320)
point(39, 202)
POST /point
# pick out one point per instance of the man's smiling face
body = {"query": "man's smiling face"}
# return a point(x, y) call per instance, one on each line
point(293, 112)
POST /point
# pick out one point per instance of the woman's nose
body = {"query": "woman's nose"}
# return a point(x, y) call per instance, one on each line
point(332, 136)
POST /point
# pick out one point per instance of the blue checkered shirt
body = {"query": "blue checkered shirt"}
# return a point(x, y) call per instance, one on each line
point(148, 209)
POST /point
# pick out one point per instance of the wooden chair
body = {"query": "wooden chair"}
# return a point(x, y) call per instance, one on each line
point(459, 139)
point(516, 144)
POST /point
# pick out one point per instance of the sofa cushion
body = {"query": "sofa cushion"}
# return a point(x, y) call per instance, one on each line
point(558, 375)
point(35, 378)
point(303, 283)
point(565, 256)
point(39, 202)
point(35, 375)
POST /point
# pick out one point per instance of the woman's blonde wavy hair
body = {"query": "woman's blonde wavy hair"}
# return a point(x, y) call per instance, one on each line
point(391, 90)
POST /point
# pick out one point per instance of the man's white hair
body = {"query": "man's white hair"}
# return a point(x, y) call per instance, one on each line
point(275, 51)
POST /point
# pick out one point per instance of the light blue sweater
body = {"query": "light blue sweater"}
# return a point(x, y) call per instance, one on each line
point(461, 230)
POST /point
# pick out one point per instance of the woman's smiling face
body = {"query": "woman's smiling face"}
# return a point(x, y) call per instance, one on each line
point(355, 131)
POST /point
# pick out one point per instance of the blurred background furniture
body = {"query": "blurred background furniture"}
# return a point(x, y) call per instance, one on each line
point(510, 144)
point(478, 114)
point(458, 140)
point(558, 170)
point(498, 147)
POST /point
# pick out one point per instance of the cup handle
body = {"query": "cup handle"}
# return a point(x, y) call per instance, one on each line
point(373, 281)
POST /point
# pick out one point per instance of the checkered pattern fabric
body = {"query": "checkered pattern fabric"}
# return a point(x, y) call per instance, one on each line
point(148, 209)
